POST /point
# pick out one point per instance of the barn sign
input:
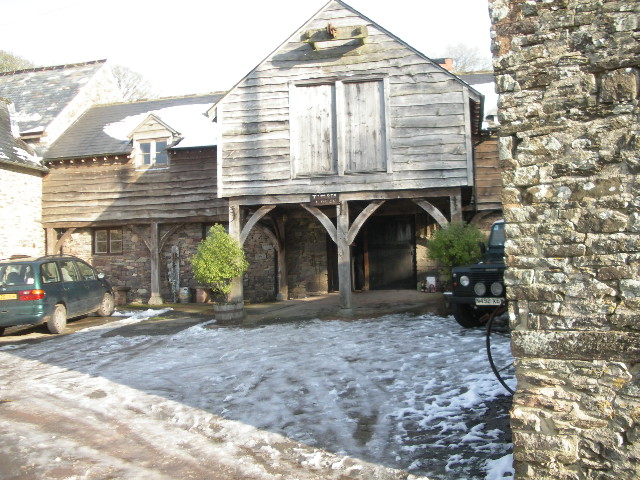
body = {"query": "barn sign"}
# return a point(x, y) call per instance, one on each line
point(322, 199)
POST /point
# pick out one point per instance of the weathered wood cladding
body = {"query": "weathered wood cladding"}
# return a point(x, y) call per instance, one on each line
point(488, 182)
point(428, 137)
point(118, 192)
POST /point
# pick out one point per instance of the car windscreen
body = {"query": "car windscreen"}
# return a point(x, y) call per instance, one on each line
point(497, 235)
point(16, 274)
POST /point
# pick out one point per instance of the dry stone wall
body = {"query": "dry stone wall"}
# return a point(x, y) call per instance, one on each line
point(568, 73)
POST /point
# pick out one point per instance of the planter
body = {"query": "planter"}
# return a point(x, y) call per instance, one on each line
point(229, 313)
point(203, 295)
point(120, 294)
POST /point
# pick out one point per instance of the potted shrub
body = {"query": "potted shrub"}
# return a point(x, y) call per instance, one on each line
point(218, 260)
point(454, 245)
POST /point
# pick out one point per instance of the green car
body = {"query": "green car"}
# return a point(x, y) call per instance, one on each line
point(50, 290)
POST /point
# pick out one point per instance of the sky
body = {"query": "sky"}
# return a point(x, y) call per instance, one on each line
point(200, 46)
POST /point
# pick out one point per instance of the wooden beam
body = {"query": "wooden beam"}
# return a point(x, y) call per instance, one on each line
point(363, 217)
point(433, 211)
point(344, 257)
point(255, 218)
point(57, 248)
point(52, 238)
point(324, 220)
point(235, 230)
point(348, 196)
point(455, 203)
point(154, 257)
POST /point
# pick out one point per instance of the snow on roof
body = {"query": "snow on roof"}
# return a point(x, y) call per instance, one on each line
point(189, 120)
point(490, 97)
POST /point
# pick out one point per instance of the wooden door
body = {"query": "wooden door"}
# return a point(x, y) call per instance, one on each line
point(391, 252)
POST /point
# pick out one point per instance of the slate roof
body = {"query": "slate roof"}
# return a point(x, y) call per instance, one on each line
point(103, 129)
point(40, 94)
point(14, 151)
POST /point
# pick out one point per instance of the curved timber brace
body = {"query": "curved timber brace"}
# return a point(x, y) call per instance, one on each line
point(241, 233)
point(428, 207)
point(54, 245)
point(155, 244)
point(344, 235)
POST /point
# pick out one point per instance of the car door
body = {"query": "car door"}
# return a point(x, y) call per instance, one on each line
point(92, 285)
point(75, 290)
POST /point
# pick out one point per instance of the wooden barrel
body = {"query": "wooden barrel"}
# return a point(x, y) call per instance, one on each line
point(229, 313)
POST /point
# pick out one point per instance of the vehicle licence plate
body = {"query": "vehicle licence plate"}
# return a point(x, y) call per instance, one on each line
point(8, 296)
point(489, 301)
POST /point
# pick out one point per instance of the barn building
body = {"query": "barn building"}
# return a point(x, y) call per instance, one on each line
point(349, 147)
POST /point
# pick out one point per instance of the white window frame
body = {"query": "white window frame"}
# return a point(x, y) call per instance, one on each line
point(153, 153)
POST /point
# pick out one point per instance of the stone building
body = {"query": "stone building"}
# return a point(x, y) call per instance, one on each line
point(568, 74)
point(21, 173)
point(41, 103)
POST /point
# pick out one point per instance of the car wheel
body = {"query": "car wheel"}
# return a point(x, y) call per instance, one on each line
point(2, 329)
point(58, 321)
point(106, 306)
point(467, 316)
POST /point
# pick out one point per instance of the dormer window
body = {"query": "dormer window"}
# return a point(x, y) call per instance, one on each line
point(150, 142)
point(152, 153)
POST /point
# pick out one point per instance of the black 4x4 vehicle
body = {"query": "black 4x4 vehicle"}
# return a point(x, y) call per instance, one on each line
point(478, 289)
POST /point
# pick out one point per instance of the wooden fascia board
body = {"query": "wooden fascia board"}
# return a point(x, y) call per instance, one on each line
point(361, 196)
point(157, 119)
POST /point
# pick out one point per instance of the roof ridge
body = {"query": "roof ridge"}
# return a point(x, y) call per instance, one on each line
point(53, 67)
point(160, 99)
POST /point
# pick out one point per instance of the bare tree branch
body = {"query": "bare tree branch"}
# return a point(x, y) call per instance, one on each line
point(132, 84)
point(10, 62)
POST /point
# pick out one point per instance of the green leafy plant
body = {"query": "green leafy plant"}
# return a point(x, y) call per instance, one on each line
point(218, 260)
point(455, 245)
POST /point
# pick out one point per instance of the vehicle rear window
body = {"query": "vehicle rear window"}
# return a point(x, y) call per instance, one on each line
point(16, 274)
point(49, 272)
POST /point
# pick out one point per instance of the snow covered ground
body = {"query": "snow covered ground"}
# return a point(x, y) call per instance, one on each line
point(414, 393)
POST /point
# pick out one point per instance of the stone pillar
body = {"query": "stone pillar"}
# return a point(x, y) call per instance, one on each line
point(567, 72)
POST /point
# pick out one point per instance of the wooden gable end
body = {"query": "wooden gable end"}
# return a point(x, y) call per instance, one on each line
point(350, 113)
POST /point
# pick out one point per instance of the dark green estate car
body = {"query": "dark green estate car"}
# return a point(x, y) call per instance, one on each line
point(50, 290)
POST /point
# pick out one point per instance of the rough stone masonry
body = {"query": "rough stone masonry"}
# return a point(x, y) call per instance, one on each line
point(568, 73)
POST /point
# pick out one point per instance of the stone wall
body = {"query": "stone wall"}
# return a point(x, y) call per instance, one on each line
point(21, 230)
point(568, 74)
point(132, 268)
point(306, 257)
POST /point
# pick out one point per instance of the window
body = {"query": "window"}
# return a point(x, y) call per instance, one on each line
point(86, 272)
point(152, 153)
point(17, 274)
point(49, 272)
point(107, 241)
point(69, 272)
point(339, 127)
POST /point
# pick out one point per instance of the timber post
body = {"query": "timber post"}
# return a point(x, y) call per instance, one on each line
point(235, 231)
point(344, 257)
point(154, 257)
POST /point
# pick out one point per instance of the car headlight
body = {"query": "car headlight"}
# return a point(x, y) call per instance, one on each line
point(480, 289)
point(464, 281)
point(496, 289)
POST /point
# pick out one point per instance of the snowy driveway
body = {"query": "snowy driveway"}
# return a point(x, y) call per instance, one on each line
point(413, 393)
